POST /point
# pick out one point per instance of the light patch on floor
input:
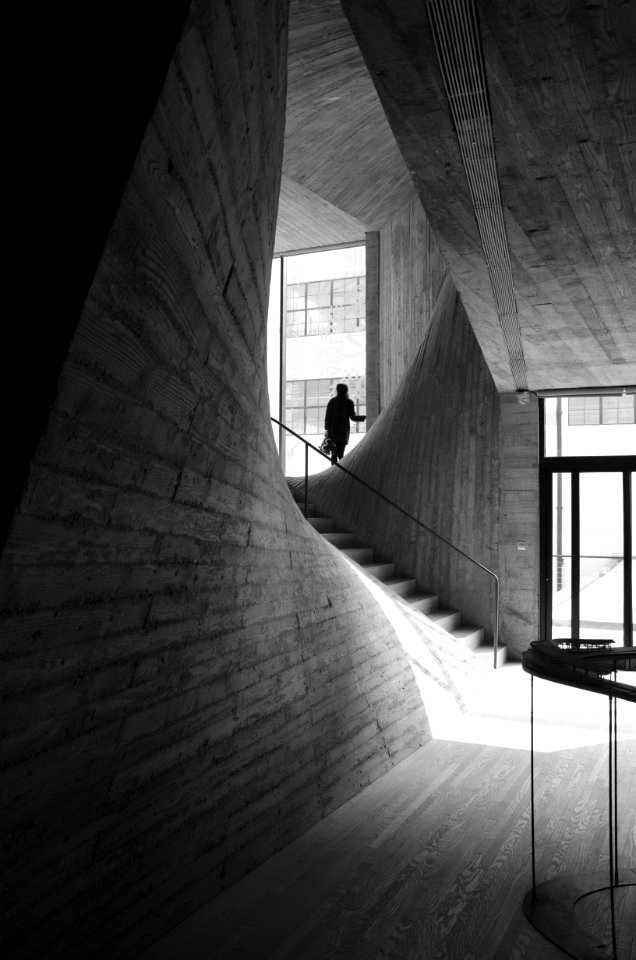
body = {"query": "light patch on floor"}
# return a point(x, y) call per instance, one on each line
point(497, 702)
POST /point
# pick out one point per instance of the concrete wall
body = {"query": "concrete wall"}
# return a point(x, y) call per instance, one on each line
point(372, 267)
point(412, 273)
point(192, 677)
point(520, 583)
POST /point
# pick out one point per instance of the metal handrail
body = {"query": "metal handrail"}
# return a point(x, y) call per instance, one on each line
point(396, 506)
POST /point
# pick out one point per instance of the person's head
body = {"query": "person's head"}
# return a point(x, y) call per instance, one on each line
point(342, 389)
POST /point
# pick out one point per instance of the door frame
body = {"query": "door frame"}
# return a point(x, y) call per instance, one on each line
point(548, 466)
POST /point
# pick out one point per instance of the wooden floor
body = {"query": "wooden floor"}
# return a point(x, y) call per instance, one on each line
point(433, 860)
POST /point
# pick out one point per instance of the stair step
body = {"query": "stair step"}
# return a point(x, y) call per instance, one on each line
point(340, 540)
point(469, 635)
point(486, 652)
point(321, 524)
point(446, 619)
point(382, 571)
point(424, 602)
point(405, 588)
point(361, 555)
point(402, 586)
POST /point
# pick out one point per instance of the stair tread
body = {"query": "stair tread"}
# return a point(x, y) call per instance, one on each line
point(442, 612)
point(420, 595)
point(377, 566)
point(321, 524)
point(467, 629)
point(404, 587)
point(400, 586)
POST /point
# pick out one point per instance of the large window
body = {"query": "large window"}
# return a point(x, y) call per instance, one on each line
point(325, 306)
point(598, 411)
point(590, 426)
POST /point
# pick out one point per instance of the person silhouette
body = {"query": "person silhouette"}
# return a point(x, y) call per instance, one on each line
point(340, 411)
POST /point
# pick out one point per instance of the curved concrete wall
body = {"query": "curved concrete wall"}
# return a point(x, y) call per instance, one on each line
point(193, 677)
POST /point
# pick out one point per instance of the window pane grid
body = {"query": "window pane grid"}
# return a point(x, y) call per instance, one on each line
point(591, 411)
point(326, 306)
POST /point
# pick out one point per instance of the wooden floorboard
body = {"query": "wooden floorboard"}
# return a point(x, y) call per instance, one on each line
point(431, 862)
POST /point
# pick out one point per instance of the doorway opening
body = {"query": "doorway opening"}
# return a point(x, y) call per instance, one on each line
point(588, 484)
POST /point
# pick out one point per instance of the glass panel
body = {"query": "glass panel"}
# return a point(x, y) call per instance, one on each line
point(582, 411)
point(319, 294)
point(590, 426)
point(561, 555)
point(601, 551)
point(627, 409)
point(295, 324)
point(561, 598)
point(352, 324)
point(297, 391)
point(315, 417)
point(318, 321)
point(340, 293)
point(312, 390)
point(296, 296)
point(345, 262)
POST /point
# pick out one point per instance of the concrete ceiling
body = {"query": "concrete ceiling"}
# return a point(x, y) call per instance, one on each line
point(338, 142)
point(368, 131)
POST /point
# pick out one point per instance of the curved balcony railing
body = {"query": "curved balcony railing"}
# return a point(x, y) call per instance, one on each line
point(309, 446)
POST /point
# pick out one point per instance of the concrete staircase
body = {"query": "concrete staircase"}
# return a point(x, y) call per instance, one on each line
point(404, 588)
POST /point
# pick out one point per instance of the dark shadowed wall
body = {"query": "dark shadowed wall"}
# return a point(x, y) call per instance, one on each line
point(192, 677)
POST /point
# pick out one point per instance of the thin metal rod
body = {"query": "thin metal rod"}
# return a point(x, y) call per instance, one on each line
point(306, 479)
point(495, 634)
point(615, 699)
point(534, 873)
point(611, 827)
point(575, 572)
point(282, 359)
point(628, 551)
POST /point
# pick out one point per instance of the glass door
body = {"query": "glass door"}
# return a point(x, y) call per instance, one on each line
point(590, 583)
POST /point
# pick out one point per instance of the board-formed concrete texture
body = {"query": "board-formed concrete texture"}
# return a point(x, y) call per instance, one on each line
point(561, 110)
point(191, 676)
